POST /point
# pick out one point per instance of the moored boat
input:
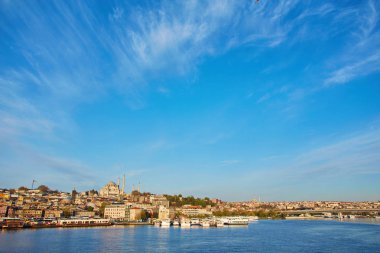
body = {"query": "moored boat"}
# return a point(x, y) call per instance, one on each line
point(205, 223)
point(236, 220)
point(42, 223)
point(219, 223)
point(185, 223)
point(195, 222)
point(165, 223)
point(12, 223)
point(83, 222)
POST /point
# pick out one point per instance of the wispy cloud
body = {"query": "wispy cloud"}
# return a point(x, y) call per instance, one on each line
point(49, 169)
point(351, 71)
point(361, 55)
point(56, 62)
point(351, 155)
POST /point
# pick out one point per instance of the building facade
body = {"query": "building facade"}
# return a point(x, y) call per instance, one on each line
point(117, 212)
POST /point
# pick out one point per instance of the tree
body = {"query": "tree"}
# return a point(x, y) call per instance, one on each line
point(23, 188)
point(93, 192)
point(43, 188)
point(67, 213)
point(90, 208)
point(143, 216)
point(101, 209)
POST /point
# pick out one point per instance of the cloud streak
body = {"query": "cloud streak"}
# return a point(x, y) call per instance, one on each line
point(352, 155)
point(361, 55)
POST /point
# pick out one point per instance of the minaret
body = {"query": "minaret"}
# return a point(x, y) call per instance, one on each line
point(123, 190)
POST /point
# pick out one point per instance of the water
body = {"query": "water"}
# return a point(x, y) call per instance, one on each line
point(262, 236)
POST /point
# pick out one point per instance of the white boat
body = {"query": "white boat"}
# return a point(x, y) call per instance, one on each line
point(157, 223)
point(165, 223)
point(83, 222)
point(185, 223)
point(195, 222)
point(205, 223)
point(253, 218)
point(175, 223)
point(236, 220)
point(219, 223)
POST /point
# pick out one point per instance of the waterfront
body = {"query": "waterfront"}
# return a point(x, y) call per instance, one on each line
point(261, 236)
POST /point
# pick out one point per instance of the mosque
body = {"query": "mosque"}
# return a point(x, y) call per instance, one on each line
point(112, 189)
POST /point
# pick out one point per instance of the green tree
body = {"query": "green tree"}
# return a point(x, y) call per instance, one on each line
point(143, 216)
point(67, 212)
point(43, 188)
point(101, 209)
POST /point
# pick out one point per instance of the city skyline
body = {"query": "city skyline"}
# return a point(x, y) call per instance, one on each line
point(226, 99)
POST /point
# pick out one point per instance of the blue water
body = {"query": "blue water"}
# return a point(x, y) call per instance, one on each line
point(262, 236)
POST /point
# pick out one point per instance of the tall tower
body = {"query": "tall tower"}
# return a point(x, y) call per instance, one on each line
point(123, 189)
point(73, 195)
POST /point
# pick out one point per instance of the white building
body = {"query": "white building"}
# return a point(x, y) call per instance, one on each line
point(195, 211)
point(163, 213)
point(116, 212)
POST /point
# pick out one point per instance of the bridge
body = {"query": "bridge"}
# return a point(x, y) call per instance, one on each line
point(310, 211)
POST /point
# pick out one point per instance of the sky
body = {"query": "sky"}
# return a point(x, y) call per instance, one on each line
point(237, 100)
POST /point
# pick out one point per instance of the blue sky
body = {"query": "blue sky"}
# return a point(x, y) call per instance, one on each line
point(229, 99)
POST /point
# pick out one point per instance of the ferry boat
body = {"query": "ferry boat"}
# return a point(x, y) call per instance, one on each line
point(185, 223)
point(165, 223)
point(12, 223)
point(42, 223)
point(83, 222)
point(236, 220)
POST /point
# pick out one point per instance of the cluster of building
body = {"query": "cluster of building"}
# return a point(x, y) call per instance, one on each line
point(306, 205)
point(111, 202)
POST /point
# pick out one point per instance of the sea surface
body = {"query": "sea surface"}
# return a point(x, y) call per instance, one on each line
point(260, 236)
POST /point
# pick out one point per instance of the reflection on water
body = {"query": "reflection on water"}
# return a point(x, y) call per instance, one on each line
point(362, 220)
point(262, 236)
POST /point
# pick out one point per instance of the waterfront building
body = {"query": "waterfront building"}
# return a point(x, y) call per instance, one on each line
point(53, 213)
point(159, 200)
point(163, 213)
point(117, 212)
point(85, 213)
point(135, 213)
point(195, 211)
point(31, 213)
